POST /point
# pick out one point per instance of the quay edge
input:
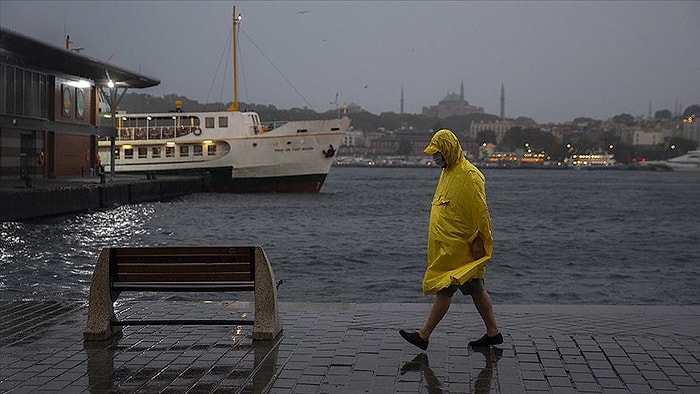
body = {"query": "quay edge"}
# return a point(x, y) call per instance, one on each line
point(53, 197)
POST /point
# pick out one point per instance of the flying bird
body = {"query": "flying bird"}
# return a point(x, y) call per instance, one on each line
point(302, 12)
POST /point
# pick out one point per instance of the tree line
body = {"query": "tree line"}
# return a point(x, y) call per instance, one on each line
point(592, 136)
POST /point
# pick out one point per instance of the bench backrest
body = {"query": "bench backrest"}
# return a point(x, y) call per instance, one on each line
point(164, 267)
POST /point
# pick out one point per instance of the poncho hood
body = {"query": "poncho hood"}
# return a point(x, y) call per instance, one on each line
point(445, 142)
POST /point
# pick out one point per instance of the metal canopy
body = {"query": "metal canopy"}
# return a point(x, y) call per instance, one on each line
point(31, 52)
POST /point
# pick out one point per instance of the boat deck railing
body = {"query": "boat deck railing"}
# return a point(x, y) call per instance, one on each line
point(154, 133)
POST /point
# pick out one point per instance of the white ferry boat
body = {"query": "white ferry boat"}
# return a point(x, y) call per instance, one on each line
point(592, 161)
point(239, 151)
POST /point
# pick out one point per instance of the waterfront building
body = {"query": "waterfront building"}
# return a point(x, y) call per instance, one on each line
point(50, 100)
point(499, 127)
point(647, 137)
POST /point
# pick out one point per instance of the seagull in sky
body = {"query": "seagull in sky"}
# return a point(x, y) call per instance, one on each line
point(302, 12)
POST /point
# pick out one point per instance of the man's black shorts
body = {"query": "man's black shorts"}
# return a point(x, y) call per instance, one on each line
point(470, 286)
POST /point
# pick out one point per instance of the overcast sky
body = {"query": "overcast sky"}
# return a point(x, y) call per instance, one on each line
point(557, 60)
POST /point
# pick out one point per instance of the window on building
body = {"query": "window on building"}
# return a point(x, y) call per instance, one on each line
point(155, 152)
point(209, 122)
point(211, 150)
point(129, 153)
point(223, 121)
point(143, 152)
point(197, 150)
point(169, 151)
point(184, 150)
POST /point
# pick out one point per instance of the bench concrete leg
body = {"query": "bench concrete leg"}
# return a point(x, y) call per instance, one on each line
point(100, 309)
point(267, 323)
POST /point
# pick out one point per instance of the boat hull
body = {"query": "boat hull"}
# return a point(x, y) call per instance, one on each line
point(310, 183)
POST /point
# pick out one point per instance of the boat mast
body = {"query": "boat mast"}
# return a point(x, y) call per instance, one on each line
point(236, 22)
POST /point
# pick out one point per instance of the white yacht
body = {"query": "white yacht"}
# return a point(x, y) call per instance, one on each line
point(687, 162)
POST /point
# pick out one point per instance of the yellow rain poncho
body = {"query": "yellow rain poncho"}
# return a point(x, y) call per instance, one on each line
point(458, 215)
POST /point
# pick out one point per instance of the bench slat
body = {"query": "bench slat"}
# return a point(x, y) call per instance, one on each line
point(182, 277)
point(182, 268)
point(185, 286)
point(178, 259)
point(180, 250)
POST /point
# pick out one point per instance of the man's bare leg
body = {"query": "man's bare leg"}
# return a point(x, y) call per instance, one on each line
point(441, 304)
point(482, 301)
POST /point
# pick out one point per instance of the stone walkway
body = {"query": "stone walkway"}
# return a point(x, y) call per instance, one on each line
point(353, 348)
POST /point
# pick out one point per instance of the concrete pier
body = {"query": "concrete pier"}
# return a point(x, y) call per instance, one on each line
point(52, 197)
point(354, 348)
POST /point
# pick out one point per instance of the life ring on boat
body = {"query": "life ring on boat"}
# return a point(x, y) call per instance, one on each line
point(197, 131)
point(41, 159)
point(330, 152)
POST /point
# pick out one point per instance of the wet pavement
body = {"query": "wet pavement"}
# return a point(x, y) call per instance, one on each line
point(352, 348)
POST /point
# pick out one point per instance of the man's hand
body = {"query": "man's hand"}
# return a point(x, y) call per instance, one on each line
point(477, 247)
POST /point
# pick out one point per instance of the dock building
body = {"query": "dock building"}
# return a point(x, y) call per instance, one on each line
point(50, 99)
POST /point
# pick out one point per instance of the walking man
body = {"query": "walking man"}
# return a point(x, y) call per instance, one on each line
point(460, 242)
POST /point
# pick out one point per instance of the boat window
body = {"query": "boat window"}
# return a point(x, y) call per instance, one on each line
point(211, 150)
point(184, 151)
point(155, 151)
point(190, 121)
point(197, 150)
point(223, 121)
point(209, 122)
point(129, 153)
point(169, 151)
point(143, 152)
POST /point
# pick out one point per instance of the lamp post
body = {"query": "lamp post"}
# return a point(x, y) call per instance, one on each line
point(112, 139)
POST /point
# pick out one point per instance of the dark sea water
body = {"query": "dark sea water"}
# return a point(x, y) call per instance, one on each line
point(566, 237)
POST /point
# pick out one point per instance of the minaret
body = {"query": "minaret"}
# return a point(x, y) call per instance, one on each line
point(503, 102)
point(401, 100)
point(461, 91)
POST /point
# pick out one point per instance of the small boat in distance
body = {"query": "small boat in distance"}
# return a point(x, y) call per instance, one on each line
point(240, 152)
point(687, 162)
point(592, 161)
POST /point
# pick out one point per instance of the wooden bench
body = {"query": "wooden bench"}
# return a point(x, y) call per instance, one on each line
point(181, 269)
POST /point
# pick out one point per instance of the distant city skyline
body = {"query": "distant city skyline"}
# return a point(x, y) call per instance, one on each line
point(557, 60)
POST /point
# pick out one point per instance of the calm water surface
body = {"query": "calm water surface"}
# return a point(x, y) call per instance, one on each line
point(568, 237)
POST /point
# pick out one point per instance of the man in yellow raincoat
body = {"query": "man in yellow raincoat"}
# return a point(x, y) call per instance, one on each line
point(460, 242)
